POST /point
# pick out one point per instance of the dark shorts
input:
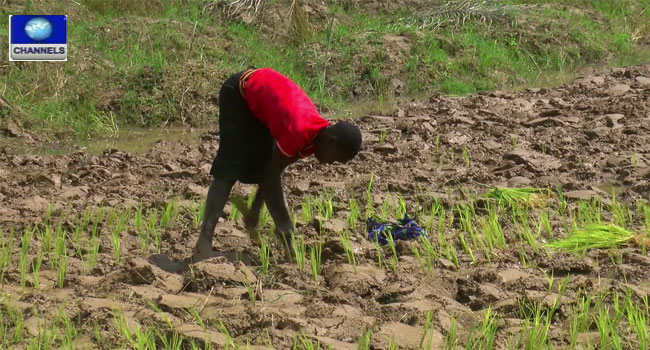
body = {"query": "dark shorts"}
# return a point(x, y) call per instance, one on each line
point(245, 144)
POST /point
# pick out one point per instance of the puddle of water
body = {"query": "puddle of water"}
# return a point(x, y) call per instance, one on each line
point(128, 140)
point(611, 187)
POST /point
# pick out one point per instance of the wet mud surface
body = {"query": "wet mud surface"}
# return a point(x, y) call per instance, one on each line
point(590, 137)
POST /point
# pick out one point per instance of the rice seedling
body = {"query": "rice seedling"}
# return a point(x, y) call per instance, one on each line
point(116, 235)
point(364, 340)
point(382, 137)
point(16, 318)
point(60, 255)
point(492, 230)
point(393, 251)
point(526, 233)
point(385, 209)
point(448, 249)
point(621, 213)
point(141, 231)
point(380, 253)
point(315, 251)
point(536, 197)
point(607, 330)
point(589, 212)
point(355, 214)
point(483, 336)
point(24, 249)
point(638, 322)
point(264, 255)
point(392, 345)
point(170, 213)
point(230, 343)
point(197, 215)
point(194, 313)
point(250, 291)
point(36, 268)
point(466, 247)
point(302, 342)
point(307, 210)
point(299, 251)
point(153, 229)
point(401, 207)
point(46, 238)
point(347, 247)
point(644, 209)
point(544, 225)
point(69, 330)
point(426, 339)
point(430, 254)
point(6, 248)
point(451, 339)
point(465, 156)
point(581, 320)
point(596, 236)
point(369, 199)
point(535, 332)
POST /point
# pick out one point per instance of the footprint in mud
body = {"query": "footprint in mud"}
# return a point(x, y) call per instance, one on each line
point(167, 264)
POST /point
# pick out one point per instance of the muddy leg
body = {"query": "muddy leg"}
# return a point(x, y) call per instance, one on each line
point(217, 197)
point(252, 217)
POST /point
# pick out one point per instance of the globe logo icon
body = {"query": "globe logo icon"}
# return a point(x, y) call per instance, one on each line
point(38, 28)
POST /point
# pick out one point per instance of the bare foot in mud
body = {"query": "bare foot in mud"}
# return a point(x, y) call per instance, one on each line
point(200, 255)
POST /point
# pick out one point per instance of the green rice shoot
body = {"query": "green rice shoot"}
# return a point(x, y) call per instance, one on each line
point(512, 196)
point(598, 236)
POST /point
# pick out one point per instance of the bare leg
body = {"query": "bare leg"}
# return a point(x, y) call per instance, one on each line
point(252, 217)
point(277, 206)
point(217, 196)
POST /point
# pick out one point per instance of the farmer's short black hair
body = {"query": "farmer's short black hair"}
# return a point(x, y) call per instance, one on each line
point(348, 137)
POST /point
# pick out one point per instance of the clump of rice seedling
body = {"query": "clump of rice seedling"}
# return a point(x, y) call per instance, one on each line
point(621, 213)
point(536, 197)
point(597, 236)
point(197, 215)
point(393, 250)
point(302, 342)
point(382, 137)
point(483, 335)
point(428, 258)
point(465, 156)
point(347, 247)
point(535, 333)
point(364, 340)
point(451, 338)
point(36, 268)
point(24, 249)
point(6, 248)
point(153, 229)
point(369, 199)
point(355, 214)
point(426, 339)
point(265, 254)
point(324, 206)
point(315, 252)
point(169, 214)
point(307, 210)
point(299, 251)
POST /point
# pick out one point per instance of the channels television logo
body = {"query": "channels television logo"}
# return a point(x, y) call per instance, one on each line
point(38, 38)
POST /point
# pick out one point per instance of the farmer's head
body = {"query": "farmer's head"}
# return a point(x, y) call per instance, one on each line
point(337, 143)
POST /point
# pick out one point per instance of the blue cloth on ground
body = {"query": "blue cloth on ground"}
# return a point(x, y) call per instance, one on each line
point(404, 229)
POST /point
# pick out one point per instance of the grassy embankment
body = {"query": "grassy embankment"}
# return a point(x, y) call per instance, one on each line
point(153, 63)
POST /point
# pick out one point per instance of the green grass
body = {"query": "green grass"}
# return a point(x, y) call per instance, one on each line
point(167, 66)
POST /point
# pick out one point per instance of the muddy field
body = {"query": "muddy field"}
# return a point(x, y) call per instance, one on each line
point(590, 138)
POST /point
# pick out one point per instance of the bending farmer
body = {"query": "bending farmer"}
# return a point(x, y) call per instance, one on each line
point(267, 122)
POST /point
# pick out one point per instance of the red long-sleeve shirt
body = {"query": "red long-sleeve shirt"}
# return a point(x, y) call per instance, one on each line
point(285, 109)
